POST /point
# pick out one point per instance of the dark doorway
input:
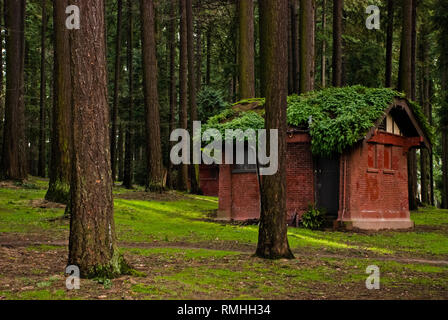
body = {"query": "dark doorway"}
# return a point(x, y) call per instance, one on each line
point(327, 185)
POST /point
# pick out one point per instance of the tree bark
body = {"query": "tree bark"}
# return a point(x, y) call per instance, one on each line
point(324, 45)
point(194, 185)
point(272, 238)
point(2, 100)
point(199, 47)
point(61, 139)
point(113, 135)
point(405, 72)
point(307, 45)
point(246, 49)
point(406, 85)
point(155, 178)
point(263, 39)
point(209, 57)
point(172, 88)
point(130, 128)
point(389, 42)
point(14, 163)
point(43, 96)
point(120, 151)
point(444, 169)
point(183, 83)
point(338, 8)
point(425, 102)
point(92, 245)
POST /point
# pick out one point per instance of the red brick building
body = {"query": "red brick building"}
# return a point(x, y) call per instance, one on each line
point(365, 187)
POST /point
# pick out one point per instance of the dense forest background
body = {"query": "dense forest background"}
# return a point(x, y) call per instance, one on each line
point(368, 57)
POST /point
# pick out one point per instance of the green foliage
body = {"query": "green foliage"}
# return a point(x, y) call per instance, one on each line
point(210, 103)
point(313, 219)
point(336, 117)
point(233, 120)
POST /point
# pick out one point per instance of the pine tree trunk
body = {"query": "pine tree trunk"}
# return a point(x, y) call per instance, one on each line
point(246, 49)
point(338, 8)
point(406, 85)
point(194, 185)
point(307, 45)
point(209, 57)
point(129, 144)
point(405, 72)
point(113, 135)
point(120, 151)
point(61, 139)
point(183, 83)
point(324, 45)
point(14, 163)
point(43, 95)
point(92, 245)
point(389, 42)
point(154, 163)
point(445, 167)
point(199, 47)
point(2, 100)
point(172, 88)
point(263, 36)
point(272, 238)
point(425, 102)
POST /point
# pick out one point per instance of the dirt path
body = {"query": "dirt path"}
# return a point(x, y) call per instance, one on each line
point(238, 248)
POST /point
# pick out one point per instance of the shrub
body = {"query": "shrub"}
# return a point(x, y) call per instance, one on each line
point(313, 219)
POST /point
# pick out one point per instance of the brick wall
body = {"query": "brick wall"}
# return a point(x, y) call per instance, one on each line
point(299, 178)
point(374, 181)
point(209, 180)
point(239, 197)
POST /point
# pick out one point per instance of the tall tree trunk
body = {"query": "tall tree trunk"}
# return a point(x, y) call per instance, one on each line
point(194, 185)
point(183, 83)
point(129, 144)
point(172, 88)
point(199, 47)
point(14, 164)
point(263, 37)
point(406, 85)
point(295, 45)
point(92, 245)
point(43, 95)
point(2, 100)
point(414, 51)
point(120, 151)
point(290, 52)
point(425, 101)
point(61, 139)
point(307, 45)
point(246, 49)
point(389, 42)
point(272, 238)
point(405, 72)
point(113, 135)
point(445, 167)
point(209, 56)
point(338, 8)
point(154, 181)
point(324, 45)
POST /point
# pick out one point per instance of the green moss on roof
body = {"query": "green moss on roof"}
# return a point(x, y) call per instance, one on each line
point(336, 117)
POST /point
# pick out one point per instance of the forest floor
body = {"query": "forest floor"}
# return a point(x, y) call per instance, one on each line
point(183, 254)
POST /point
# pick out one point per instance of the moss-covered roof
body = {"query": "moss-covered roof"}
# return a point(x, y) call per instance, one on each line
point(337, 118)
